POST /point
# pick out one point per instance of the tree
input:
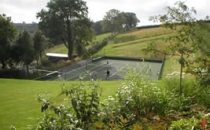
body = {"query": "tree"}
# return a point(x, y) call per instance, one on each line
point(116, 21)
point(40, 44)
point(24, 49)
point(98, 27)
point(130, 20)
point(113, 21)
point(62, 19)
point(186, 38)
point(7, 35)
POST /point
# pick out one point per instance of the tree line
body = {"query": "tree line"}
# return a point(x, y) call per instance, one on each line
point(19, 48)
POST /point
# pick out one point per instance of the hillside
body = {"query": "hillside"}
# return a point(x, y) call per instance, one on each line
point(31, 27)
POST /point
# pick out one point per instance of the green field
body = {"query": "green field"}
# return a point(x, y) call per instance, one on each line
point(19, 104)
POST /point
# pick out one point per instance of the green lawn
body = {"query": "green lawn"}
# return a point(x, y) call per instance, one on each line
point(18, 99)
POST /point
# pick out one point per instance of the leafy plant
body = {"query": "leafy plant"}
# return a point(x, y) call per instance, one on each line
point(80, 114)
point(188, 124)
point(141, 95)
point(184, 42)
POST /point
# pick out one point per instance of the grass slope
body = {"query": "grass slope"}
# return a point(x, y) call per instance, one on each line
point(62, 48)
point(18, 100)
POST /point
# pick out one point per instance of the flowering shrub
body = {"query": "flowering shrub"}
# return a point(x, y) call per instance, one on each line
point(80, 114)
point(140, 95)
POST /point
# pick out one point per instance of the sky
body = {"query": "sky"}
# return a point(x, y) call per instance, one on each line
point(26, 10)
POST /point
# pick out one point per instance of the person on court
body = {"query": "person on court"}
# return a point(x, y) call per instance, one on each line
point(107, 74)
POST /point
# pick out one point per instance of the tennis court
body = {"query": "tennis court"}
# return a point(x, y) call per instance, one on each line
point(117, 67)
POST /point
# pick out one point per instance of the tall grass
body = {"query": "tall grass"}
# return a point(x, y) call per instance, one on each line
point(146, 33)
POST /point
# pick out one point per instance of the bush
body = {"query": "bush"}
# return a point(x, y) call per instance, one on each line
point(99, 45)
point(80, 114)
point(15, 74)
point(141, 95)
point(194, 123)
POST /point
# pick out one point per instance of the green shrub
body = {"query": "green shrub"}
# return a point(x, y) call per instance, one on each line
point(80, 114)
point(99, 45)
point(194, 123)
point(141, 95)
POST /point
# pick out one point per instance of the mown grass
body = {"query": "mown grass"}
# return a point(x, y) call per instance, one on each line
point(19, 104)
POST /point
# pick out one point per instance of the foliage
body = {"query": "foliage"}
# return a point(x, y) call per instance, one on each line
point(82, 112)
point(13, 73)
point(98, 27)
point(185, 41)
point(141, 96)
point(194, 123)
point(99, 45)
point(110, 21)
point(130, 20)
point(40, 44)
point(7, 35)
point(23, 50)
point(115, 21)
point(67, 21)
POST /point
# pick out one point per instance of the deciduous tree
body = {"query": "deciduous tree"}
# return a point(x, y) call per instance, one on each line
point(24, 49)
point(116, 21)
point(131, 20)
point(186, 38)
point(98, 27)
point(113, 21)
point(7, 35)
point(40, 44)
point(62, 19)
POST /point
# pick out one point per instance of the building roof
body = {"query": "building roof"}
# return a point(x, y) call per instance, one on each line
point(58, 55)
